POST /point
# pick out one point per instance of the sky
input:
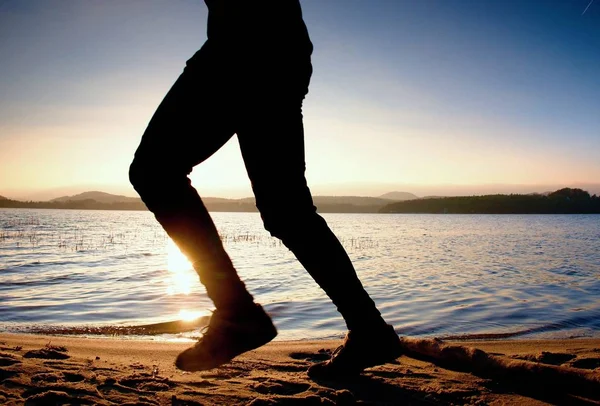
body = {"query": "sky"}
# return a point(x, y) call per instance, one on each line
point(423, 96)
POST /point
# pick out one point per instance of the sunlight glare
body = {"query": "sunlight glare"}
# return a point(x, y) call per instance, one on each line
point(191, 315)
point(182, 275)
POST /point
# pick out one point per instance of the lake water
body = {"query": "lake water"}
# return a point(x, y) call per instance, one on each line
point(527, 276)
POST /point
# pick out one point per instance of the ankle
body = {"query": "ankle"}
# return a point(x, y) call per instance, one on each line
point(369, 332)
point(371, 329)
point(240, 310)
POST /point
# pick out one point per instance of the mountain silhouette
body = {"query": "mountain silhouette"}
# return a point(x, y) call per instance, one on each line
point(106, 201)
point(565, 200)
point(399, 196)
point(100, 197)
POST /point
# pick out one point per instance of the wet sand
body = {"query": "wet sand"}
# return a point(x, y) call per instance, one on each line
point(47, 370)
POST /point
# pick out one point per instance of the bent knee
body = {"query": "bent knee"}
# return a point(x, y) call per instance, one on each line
point(138, 175)
point(146, 176)
point(291, 224)
point(154, 180)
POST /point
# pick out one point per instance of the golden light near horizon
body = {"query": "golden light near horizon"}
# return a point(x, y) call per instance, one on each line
point(181, 273)
point(440, 110)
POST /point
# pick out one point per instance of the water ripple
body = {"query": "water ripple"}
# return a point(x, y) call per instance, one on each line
point(430, 275)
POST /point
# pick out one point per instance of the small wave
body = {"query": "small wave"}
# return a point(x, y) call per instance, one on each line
point(487, 336)
point(36, 263)
point(580, 322)
point(169, 327)
point(46, 280)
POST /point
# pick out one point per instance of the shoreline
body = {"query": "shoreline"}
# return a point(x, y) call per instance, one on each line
point(44, 369)
point(181, 331)
point(188, 331)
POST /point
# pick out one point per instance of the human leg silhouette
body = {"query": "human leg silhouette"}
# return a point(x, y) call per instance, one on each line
point(191, 123)
point(256, 92)
point(271, 137)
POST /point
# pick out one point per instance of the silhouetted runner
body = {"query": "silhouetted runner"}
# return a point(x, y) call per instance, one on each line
point(250, 78)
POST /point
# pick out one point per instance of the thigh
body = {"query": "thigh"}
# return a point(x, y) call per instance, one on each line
point(192, 122)
point(272, 145)
point(271, 133)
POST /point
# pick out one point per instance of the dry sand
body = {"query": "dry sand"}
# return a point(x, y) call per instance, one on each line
point(49, 370)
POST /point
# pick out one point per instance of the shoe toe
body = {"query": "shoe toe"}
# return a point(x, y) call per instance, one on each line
point(183, 360)
point(317, 371)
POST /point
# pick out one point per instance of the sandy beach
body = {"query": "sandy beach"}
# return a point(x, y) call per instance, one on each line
point(48, 370)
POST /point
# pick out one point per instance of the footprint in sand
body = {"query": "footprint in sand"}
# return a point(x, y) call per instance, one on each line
point(48, 352)
point(586, 363)
point(226, 372)
point(57, 377)
point(279, 387)
point(8, 360)
point(73, 377)
point(51, 397)
point(550, 358)
point(7, 373)
point(49, 377)
point(58, 394)
point(65, 366)
point(201, 384)
point(146, 382)
point(289, 368)
point(322, 355)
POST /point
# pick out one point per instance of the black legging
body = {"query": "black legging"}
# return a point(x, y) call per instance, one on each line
point(258, 97)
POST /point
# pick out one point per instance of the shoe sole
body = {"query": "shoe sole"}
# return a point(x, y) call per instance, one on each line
point(314, 373)
point(189, 365)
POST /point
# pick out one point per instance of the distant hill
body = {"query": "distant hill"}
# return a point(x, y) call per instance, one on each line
point(565, 200)
point(354, 200)
point(399, 196)
point(96, 200)
point(324, 204)
point(349, 204)
point(100, 197)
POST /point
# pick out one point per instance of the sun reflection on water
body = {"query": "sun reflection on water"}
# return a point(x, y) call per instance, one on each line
point(191, 315)
point(181, 273)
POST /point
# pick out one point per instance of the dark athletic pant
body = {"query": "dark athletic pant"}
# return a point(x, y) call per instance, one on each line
point(259, 99)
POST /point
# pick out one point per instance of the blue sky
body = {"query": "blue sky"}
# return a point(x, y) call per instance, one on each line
point(419, 95)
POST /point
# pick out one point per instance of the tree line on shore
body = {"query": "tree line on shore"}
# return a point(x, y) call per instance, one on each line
point(563, 201)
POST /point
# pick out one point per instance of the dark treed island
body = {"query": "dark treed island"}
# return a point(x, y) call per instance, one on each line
point(563, 201)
